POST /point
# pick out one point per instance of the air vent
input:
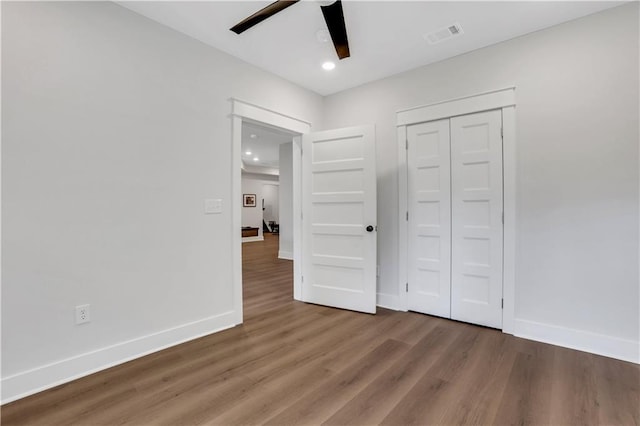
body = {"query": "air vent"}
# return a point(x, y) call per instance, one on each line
point(444, 34)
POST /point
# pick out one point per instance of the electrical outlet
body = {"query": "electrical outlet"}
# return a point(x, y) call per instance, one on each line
point(83, 314)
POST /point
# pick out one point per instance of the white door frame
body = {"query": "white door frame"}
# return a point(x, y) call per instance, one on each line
point(245, 111)
point(505, 101)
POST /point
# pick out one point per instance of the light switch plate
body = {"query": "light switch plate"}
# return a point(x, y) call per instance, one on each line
point(212, 206)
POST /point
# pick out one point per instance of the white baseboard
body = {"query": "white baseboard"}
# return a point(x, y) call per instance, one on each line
point(252, 239)
point(47, 376)
point(600, 344)
point(287, 255)
point(389, 301)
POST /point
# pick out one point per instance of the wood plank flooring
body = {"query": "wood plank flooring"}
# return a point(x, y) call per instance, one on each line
point(292, 363)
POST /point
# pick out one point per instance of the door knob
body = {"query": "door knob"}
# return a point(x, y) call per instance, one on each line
point(369, 228)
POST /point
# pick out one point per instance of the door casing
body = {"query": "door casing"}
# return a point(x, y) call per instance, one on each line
point(245, 111)
point(505, 100)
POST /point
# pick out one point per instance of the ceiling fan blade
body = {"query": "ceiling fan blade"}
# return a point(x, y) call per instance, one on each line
point(261, 15)
point(334, 17)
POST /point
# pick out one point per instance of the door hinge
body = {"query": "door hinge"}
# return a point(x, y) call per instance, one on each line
point(502, 132)
point(406, 287)
point(302, 278)
point(407, 216)
point(502, 304)
point(406, 143)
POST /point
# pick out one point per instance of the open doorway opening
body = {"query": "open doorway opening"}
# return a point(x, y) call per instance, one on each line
point(266, 165)
point(335, 187)
point(246, 113)
point(267, 217)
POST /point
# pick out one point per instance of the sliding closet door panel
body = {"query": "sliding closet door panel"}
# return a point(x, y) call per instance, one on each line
point(429, 218)
point(476, 170)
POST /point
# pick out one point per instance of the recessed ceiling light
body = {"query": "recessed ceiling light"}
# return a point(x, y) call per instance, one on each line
point(248, 152)
point(255, 159)
point(328, 65)
point(253, 136)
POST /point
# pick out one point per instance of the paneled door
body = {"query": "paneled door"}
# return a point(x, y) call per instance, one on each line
point(339, 218)
point(429, 192)
point(476, 181)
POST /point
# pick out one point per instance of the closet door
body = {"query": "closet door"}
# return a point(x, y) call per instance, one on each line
point(429, 189)
point(476, 170)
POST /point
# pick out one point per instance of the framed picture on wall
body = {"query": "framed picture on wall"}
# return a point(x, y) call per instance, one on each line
point(249, 200)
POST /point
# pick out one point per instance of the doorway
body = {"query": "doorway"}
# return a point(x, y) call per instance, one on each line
point(244, 113)
point(266, 165)
point(338, 240)
point(267, 194)
point(267, 204)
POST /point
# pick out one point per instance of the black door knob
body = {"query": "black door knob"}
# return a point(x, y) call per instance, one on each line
point(369, 228)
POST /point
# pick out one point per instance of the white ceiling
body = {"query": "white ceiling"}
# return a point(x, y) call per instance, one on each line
point(265, 146)
point(385, 37)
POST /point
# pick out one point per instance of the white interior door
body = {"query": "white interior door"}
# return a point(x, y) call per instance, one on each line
point(476, 170)
point(429, 191)
point(339, 218)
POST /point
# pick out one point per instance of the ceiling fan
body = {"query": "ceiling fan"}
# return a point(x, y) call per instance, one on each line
point(333, 16)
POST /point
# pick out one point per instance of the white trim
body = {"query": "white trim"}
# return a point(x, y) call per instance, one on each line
point(389, 301)
point(245, 111)
point(503, 99)
point(510, 234)
point(403, 208)
point(297, 217)
point(1, 198)
point(236, 216)
point(613, 347)
point(466, 105)
point(252, 239)
point(286, 255)
point(255, 113)
point(38, 379)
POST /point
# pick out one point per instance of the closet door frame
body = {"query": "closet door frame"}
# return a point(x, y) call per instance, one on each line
point(504, 100)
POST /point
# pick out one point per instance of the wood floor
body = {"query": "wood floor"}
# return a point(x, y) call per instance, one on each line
point(292, 363)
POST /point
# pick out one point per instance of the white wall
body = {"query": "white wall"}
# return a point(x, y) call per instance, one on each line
point(577, 189)
point(115, 129)
point(254, 184)
point(271, 202)
point(286, 201)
